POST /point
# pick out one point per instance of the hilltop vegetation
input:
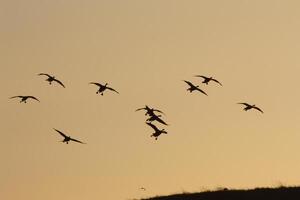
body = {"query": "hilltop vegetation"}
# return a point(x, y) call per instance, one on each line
point(281, 193)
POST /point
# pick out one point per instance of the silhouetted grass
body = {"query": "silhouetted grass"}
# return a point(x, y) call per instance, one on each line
point(280, 193)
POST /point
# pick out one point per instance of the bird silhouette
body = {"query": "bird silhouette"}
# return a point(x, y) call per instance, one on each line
point(248, 107)
point(24, 98)
point(102, 88)
point(149, 111)
point(208, 79)
point(157, 132)
point(67, 139)
point(156, 118)
point(50, 79)
point(193, 87)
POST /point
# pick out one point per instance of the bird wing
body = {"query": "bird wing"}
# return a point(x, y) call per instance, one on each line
point(201, 76)
point(16, 97)
point(153, 126)
point(77, 141)
point(258, 109)
point(109, 88)
point(61, 133)
point(158, 111)
point(215, 80)
point(44, 74)
point(98, 84)
point(245, 104)
point(58, 81)
point(189, 83)
point(160, 120)
point(201, 91)
point(140, 109)
point(32, 97)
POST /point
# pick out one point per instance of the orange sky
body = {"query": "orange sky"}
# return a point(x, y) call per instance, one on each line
point(144, 49)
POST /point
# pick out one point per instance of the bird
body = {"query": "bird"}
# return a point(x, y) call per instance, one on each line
point(149, 111)
point(24, 98)
point(208, 79)
point(50, 79)
point(156, 118)
point(248, 107)
point(193, 87)
point(102, 88)
point(157, 132)
point(67, 139)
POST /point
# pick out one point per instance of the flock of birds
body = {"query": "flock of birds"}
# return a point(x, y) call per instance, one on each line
point(151, 112)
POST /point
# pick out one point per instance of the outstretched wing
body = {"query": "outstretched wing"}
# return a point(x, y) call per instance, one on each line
point(201, 76)
point(98, 84)
point(201, 91)
point(59, 82)
point(258, 109)
point(32, 97)
point(160, 120)
point(109, 88)
point(61, 133)
point(215, 80)
point(140, 109)
point(45, 74)
point(158, 111)
point(16, 97)
point(152, 126)
point(189, 83)
point(245, 104)
point(77, 141)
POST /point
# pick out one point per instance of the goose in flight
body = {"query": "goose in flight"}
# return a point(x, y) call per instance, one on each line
point(50, 79)
point(157, 132)
point(102, 88)
point(193, 87)
point(156, 118)
point(208, 79)
point(67, 139)
point(248, 107)
point(149, 111)
point(24, 98)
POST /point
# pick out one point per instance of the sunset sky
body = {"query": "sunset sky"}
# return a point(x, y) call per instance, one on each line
point(144, 49)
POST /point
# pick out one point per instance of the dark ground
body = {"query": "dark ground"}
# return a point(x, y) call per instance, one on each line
point(281, 193)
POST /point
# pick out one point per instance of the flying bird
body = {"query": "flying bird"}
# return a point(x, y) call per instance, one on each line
point(248, 107)
point(208, 79)
point(50, 79)
point(157, 132)
point(193, 87)
point(149, 111)
point(156, 118)
point(67, 139)
point(24, 98)
point(102, 88)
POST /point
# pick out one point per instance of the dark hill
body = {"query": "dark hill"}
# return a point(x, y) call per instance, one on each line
point(281, 193)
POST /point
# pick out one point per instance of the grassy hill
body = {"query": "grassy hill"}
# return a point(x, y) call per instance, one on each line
point(281, 193)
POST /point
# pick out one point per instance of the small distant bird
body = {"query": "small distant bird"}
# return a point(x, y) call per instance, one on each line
point(50, 79)
point(149, 111)
point(102, 88)
point(208, 79)
point(248, 107)
point(193, 87)
point(67, 138)
point(157, 132)
point(142, 188)
point(24, 98)
point(156, 118)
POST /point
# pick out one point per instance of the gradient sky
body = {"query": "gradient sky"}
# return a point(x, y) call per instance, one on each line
point(144, 49)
